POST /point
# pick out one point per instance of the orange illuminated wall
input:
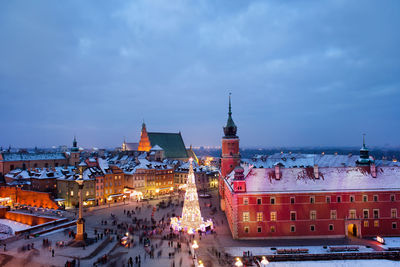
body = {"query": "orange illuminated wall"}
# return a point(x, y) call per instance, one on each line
point(144, 143)
point(29, 198)
point(29, 219)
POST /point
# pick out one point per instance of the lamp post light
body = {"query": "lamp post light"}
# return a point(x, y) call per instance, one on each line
point(80, 223)
point(264, 261)
point(194, 247)
point(238, 262)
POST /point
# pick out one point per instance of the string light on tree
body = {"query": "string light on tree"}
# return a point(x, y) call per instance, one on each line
point(191, 220)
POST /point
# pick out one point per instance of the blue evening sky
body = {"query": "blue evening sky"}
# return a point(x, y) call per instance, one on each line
point(301, 72)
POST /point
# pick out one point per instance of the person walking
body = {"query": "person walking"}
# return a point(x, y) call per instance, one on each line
point(52, 252)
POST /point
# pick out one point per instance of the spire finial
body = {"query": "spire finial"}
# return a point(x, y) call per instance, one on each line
point(363, 140)
point(230, 108)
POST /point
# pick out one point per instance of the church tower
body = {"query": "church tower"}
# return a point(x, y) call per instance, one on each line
point(230, 152)
point(75, 154)
point(144, 143)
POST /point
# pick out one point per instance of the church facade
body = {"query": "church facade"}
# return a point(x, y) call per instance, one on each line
point(306, 195)
point(169, 145)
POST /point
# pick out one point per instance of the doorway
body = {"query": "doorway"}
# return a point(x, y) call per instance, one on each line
point(352, 230)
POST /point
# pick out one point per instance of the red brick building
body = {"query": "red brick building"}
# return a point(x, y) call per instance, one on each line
point(309, 196)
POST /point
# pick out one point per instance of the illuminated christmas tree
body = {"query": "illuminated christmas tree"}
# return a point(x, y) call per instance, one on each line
point(191, 214)
point(191, 219)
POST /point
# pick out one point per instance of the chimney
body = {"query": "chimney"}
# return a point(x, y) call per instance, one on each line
point(316, 172)
point(277, 172)
point(373, 170)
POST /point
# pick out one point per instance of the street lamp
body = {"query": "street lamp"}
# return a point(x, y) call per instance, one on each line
point(238, 263)
point(264, 261)
point(195, 245)
point(80, 223)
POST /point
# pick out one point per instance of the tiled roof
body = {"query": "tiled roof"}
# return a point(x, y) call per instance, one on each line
point(172, 143)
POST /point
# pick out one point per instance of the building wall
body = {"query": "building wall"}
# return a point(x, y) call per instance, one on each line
point(44, 185)
point(68, 190)
point(303, 208)
point(29, 219)
point(113, 184)
point(157, 181)
point(30, 198)
point(230, 155)
point(74, 159)
point(100, 190)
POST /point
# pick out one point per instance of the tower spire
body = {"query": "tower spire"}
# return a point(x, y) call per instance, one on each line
point(363, 140)
point(230, 106)
point(230, 129)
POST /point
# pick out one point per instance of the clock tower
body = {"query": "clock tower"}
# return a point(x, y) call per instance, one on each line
point(230, 151)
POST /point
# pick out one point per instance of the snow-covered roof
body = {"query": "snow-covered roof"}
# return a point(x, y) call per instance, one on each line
point(41, 173)
point(103, 164)
point(331, 179)
point(156, 148)
point(10, 156)
point(293, 160)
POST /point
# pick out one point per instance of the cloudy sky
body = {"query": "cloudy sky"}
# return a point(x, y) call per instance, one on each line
point(301, 72)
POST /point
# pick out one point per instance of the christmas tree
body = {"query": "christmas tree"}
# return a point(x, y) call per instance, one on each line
point(191, 219)
point(191, 214)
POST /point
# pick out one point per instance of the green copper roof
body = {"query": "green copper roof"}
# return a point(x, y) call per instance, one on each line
point(230, 122)
point(172, 143)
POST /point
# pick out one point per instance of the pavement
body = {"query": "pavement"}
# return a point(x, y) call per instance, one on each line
point(208, 244)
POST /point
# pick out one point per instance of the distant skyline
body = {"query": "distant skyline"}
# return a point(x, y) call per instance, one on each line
point(301, 73)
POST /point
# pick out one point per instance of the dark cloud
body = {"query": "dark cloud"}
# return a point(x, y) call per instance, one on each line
point(301, 72)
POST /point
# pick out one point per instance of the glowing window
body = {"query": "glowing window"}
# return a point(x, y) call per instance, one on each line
point(246, 216)
point(259, 216)
point(273, 216)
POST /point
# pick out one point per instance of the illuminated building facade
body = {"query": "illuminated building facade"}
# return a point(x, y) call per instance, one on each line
point(289, 195)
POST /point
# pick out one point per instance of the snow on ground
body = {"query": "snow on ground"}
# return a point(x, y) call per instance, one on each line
point(260, 251)
point(338, 263)
point(15, 226)
point(391, 242)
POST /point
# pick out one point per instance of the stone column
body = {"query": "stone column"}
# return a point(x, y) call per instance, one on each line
point(80, 224)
